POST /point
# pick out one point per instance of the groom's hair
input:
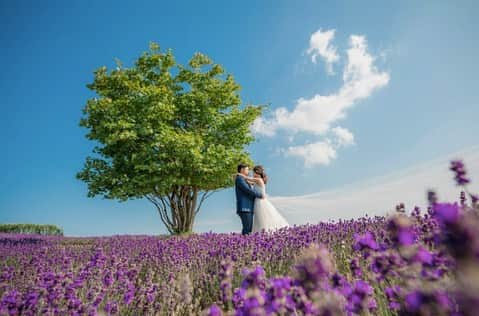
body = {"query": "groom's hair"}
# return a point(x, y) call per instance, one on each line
point(241, 166)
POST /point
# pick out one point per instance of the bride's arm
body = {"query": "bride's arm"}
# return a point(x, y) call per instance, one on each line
point(251, 179)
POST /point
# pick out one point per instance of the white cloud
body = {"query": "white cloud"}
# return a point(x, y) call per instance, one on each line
point(320, 45)
point(344, 136)
point(263, 127)
point(322, 152)
point(316, 115)
point(319, 153)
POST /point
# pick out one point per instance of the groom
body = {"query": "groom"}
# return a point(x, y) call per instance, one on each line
point(245, 196)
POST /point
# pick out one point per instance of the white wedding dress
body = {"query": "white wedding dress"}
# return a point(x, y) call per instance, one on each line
point(266, 216)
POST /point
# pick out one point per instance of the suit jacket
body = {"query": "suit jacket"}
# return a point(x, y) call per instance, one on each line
point(245, 195)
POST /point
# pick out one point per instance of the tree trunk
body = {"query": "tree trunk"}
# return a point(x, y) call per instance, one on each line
point(179, 207)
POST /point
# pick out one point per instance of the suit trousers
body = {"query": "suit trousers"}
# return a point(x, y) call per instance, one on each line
point(246, 221)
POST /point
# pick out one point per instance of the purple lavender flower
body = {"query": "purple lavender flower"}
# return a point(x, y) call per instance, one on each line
point(279, 299)
point(431, 197)
point(401, 230)
point(462, 198)
point(406, 236)
point(107, 279)
point(214, 310)
point(446, 213)
point(355, 268)
point(421, 302)
point(10, 302)
point(365, 241)
point(314, 267)
point(254, 278)
point(239, 295)
point(474, 199)
point(142, 274)
point(460, 173)
point(393, 296)
point(414, 300)
point(384, 264)
point(416, 212)
point(360, 299)
point(280, 287)
point(423, 256)
point(226, 274)
point(111, 307)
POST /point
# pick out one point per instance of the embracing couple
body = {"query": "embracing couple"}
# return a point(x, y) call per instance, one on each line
point(255, 210)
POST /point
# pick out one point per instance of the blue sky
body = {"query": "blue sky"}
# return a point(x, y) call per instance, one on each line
point(415, 64)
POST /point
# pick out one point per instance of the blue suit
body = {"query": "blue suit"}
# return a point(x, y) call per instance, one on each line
point(245, 196)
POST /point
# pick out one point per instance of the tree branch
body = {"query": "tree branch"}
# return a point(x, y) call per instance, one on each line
point(205, 195)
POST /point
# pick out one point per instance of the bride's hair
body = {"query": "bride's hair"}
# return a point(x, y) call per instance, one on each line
point(260, 170)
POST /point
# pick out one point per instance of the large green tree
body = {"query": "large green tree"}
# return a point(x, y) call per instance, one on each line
point(170, 133)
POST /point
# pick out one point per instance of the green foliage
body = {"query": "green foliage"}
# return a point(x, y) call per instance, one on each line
point(163, 129)
point(31, 229)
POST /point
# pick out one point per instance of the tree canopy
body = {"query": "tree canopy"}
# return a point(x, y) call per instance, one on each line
point(165, 131)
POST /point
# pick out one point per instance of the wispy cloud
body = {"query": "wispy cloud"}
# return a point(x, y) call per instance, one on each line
point(379, 195)
point(319, 115)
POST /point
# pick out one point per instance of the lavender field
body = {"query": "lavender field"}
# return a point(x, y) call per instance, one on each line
point(414, 262)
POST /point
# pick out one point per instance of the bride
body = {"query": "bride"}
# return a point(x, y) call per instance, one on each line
point(266, 216)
